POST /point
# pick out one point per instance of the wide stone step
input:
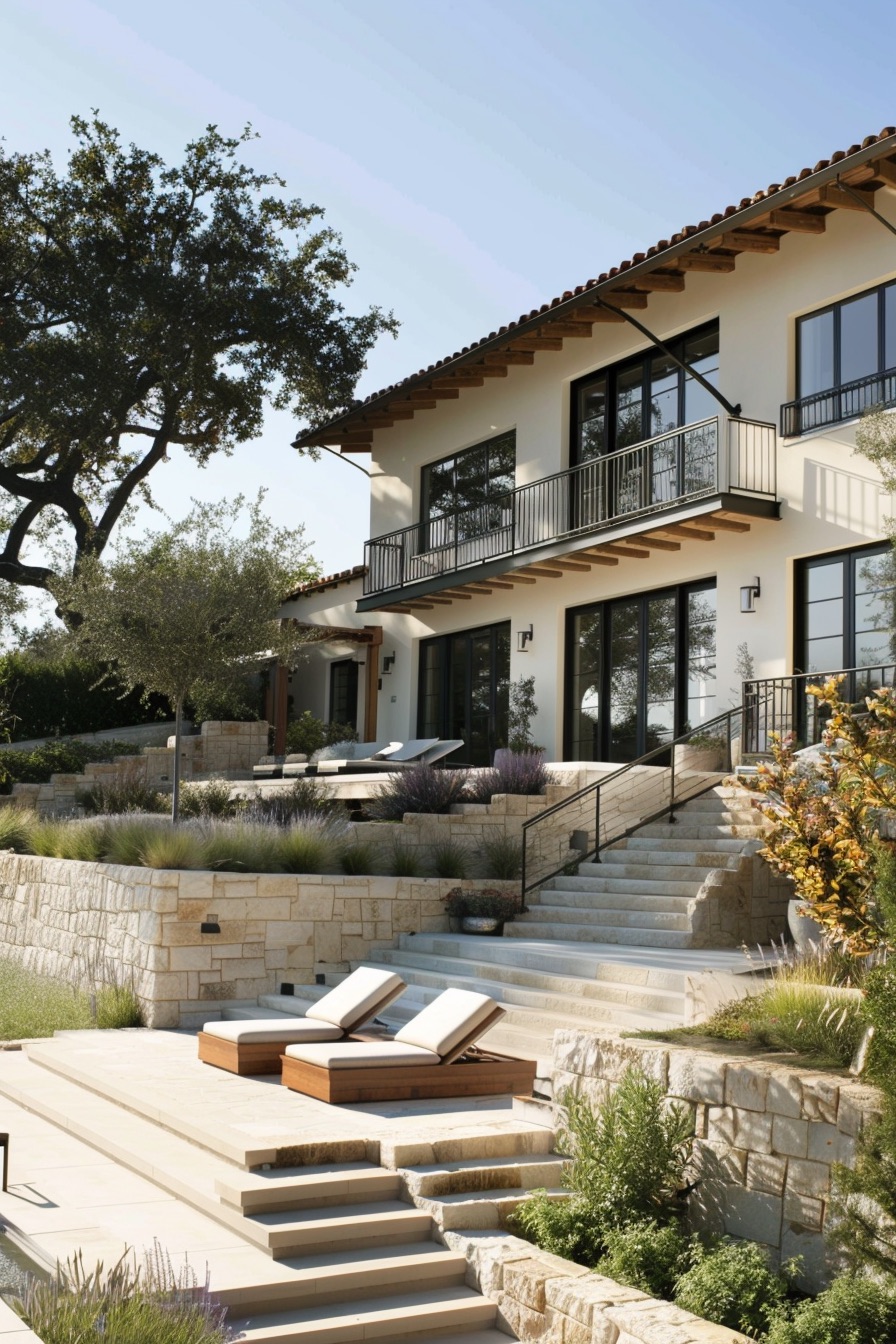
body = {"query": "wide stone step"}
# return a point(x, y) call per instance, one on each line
point(306, 1187)
point(593, 933)
point(694, 830)
point(534, 953)
point(673, 841)
point(380, 1223)
point(347, 1276)
point(594, 880)
point(622, 992)
point(533, 1009)
point(477, 1175)
point(479, 1210)
point(648, 867)
point(617, 918)
point(588, 898)
point(410, 1316)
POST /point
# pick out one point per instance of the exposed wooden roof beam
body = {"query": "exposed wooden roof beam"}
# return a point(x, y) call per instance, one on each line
point(692, 533)
point(518, 578)
point(885, 169)
point(663, 282)
point(625, 298)
point(629, 552)
point(797, 221)
point(455, 593)
point(458, 380)
point(573, 564)
point(705, 261)
point(538, 343)
point(440, 394)
point(541, 572)
point(510, 357)
point(838, 199)
point(567, 329)
point(660, 543)
point(746, 240)
point(728, 524)
point(400, 608)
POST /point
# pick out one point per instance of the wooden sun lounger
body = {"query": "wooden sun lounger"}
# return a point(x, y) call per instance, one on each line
point(255, 1045)
point(411, 1066)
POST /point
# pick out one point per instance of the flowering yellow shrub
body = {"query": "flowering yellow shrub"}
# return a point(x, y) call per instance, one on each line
point(825, 814)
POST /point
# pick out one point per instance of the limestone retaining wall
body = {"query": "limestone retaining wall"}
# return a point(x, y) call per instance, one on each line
point(767, 1135)
point(220, 748)
point(543, 1297)
point(66, 917)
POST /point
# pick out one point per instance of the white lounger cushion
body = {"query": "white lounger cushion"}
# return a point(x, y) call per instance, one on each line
point(273, 1031)
point(442, 1024)
point(358, 994)
point(361, 1055)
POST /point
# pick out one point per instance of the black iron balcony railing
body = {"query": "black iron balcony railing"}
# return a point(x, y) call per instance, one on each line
point(838, 403)
point(783, 705)
point(697, 461)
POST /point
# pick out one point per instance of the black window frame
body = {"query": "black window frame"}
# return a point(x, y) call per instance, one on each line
point(443, 644)
point(338, 666)
point(681, 592)
point(849, 556)
point(836, 308)
point(612, 373)
point(427, 518)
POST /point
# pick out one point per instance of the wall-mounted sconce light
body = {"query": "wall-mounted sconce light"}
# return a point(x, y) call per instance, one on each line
point(388, 663)
point(524, 639)
point(748, 595)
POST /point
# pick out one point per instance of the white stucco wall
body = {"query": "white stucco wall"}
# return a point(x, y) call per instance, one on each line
point(831, 498)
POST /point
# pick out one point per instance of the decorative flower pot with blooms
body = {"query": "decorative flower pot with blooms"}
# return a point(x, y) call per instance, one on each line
point(483, 911)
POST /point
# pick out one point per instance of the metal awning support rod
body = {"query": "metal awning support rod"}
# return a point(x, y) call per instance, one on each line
point(676, 359)
point(865, 204)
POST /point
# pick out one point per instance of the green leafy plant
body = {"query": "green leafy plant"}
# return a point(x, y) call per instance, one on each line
point(629, 1158)
point(853, 1310)
point(732, 1284)
point(821, 1023)
point(307, 734)
point(127, 790)
point(650, 1256)
point(522, 709)
point(209, 799)
point(306, 796)
point(154, 1305)
point(65, 756)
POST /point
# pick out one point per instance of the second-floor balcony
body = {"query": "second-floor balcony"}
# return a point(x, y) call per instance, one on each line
point(726, 460)
point(837, 404)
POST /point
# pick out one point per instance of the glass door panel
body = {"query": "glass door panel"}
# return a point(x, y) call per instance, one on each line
point(625, 680)
point(701, 655)
point(660, 655)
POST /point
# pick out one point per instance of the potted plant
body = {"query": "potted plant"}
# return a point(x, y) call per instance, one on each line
point(702, 751)
point(485, 911)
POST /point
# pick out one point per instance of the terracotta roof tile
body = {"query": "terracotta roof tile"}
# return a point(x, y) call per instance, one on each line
point(688, 231)
point(327, 581)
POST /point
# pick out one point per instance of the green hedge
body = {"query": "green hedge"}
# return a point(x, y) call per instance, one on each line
point(59, 697)
point(61, 756)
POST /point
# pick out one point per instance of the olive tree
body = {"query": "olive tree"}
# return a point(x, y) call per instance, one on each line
point(147, 309)
point(193, 608)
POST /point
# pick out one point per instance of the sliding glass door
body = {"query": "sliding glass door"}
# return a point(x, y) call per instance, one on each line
point(638, 670)
point(464, 689)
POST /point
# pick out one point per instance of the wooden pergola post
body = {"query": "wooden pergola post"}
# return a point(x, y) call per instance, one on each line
point(372, 680)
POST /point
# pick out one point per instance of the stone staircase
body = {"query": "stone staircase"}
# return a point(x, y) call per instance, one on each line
point(350, 1246)
point(611, 946)
point(648, 889)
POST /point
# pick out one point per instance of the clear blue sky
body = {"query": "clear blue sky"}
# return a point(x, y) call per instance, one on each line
point(478, 156)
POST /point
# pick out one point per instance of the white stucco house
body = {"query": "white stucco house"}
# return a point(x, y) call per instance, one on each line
point(638, 494)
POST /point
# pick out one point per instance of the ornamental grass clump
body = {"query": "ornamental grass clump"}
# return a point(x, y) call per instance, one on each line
point(305, 797)
point(16, 824)
point(239, 846)
point(501, 856)
point(360, 856)
point(402, 860)
point(309, 845)
point(127, 790)
point(448, 857)
point(420, 789)
point(173, 847)
point(821, 1023)
point(33, 1005)
point(127, 836)
point(148, 1305)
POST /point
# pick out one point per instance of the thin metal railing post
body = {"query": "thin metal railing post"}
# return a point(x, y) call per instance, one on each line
point(597, 824)
point(523, 873)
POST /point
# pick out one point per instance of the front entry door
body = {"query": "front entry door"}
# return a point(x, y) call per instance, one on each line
point(641, 675)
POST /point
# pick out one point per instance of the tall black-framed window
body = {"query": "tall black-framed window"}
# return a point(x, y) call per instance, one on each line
point(344, 692)
point(644, 396)
point(464, 690)
point(845, 360)
point(638, 670)
point(469, 493)
point(846, 605)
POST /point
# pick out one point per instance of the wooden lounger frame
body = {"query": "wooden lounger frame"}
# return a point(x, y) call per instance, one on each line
point(478, 1075)
point(256, 1057)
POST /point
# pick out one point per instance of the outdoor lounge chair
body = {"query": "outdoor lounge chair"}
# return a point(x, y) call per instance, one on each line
point(269, 767)
point(424, 750)
point(431, 1056)
point(255, 1045)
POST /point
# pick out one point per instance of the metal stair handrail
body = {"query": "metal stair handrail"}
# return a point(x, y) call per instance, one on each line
point(674, 784)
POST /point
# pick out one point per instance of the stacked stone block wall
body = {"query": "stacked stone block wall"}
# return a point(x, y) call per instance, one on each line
point(543, 1297)
point(767, 1135)
point(66, 917)
point(220, 748)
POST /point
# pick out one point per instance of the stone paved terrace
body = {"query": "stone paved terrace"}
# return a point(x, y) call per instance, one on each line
point(120, 1138)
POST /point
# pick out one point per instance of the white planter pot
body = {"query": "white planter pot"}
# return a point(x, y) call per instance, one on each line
point(804, 930)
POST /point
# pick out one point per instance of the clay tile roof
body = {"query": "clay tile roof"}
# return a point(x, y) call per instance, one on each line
point(327, 581)
point(654, 253)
